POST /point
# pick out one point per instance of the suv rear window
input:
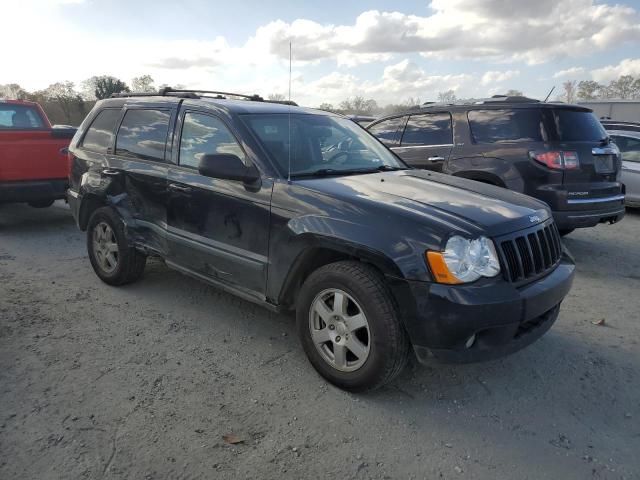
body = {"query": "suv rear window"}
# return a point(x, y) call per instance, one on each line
point(19, 117)
point(100, 134)
point(578, 126)
point(428, 129)
point(143, 134)
point(517, 125)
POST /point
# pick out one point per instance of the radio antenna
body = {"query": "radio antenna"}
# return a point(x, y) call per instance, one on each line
point(550, 92)
point(290, 146)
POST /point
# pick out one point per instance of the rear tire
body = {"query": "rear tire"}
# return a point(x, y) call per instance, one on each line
point(111, 256)
point(41, 203)
point(565, 231)
point(358, 344)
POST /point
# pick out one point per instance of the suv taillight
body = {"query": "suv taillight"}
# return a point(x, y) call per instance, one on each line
point(558, 160)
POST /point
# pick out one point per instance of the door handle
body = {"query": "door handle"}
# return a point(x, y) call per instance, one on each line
point(179, 188)
point(435, 159)
point(110, 173)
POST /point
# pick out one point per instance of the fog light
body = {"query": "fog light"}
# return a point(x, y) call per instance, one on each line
point(470, 341)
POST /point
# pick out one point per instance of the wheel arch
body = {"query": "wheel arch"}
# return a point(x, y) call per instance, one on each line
point(323, 252)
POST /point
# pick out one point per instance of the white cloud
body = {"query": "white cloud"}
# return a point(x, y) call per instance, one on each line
point(493, 76)
point(629, 66)
point(531, 32)
point(569, 72)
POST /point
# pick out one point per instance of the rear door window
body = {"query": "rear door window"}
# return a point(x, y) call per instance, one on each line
point(428, 129)
point(143, 134)
point(387, 130)
point(99, 135)
point(504, 125)
point(19, 117)
point(578, 126)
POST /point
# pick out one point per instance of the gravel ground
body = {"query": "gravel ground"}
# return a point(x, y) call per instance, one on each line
point(144, 381)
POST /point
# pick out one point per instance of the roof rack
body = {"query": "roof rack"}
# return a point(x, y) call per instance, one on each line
point(196, 93)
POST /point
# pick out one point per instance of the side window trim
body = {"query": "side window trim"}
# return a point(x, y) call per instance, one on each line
point(114, 131)
point(125, 110)
point(408, 117)
point(175, 157)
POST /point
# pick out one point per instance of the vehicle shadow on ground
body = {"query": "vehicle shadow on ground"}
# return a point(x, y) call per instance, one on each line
point(552, 361)
point(20, 219)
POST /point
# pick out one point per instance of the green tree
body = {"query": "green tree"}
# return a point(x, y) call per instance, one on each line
point(624, 88)
point(103, 86)
point(143, 83)
point(588, 90)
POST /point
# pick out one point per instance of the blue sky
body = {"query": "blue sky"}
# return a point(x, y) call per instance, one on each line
point(384, 50)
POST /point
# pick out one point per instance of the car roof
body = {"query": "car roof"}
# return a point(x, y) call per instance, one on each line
point(17, 102)
point(488, 104)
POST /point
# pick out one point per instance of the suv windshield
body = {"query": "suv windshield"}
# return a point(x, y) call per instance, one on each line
point(320, 144)
point(578, 126)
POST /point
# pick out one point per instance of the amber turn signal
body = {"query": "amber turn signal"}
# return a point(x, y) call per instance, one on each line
point(439, 268)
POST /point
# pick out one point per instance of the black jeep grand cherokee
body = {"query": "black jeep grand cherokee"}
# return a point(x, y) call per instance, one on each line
point(299, 209)
point(558, 153)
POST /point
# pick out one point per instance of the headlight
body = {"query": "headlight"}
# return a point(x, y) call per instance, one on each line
point(464, 260)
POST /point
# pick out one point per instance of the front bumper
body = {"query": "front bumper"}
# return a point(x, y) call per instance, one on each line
point(32, 190)
point(503, 318)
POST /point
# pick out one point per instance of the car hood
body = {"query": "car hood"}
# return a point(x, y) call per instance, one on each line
point(493, 210)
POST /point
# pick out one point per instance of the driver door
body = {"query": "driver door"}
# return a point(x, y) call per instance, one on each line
point(217, 229)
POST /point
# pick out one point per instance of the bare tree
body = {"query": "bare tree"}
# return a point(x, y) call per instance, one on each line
point(447, 97)
point(569, 87)
point(327, 107)
point(276, 97)
point(13, 91)
point(143, 83)
point(514, 93)
point(66, 96)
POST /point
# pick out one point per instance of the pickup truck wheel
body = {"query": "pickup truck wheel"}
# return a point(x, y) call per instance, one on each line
point(349, 327)
point(41, 203)
point(113, 260)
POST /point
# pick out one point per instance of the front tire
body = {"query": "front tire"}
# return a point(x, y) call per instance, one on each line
point(349, 327)
point(111, 256)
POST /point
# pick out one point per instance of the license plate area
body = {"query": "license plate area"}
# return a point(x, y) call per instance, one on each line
point(603, 163)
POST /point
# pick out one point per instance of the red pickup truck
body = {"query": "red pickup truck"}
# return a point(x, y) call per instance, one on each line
point(33, 155)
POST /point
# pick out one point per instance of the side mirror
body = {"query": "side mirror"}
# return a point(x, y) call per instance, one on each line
point(227, 167)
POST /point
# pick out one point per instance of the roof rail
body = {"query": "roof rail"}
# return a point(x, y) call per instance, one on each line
point(196, 93)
